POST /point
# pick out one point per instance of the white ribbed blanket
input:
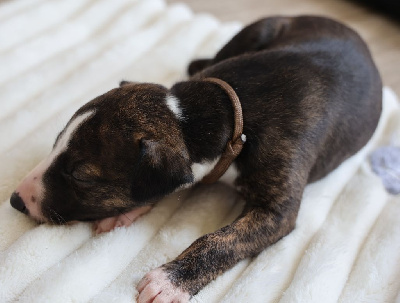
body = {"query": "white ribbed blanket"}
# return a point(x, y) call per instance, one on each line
point(57, 55)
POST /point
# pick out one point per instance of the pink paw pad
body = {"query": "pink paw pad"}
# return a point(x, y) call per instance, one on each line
point(155, 287)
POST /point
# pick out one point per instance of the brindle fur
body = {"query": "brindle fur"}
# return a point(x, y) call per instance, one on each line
point(129, 143)
point(311, 98)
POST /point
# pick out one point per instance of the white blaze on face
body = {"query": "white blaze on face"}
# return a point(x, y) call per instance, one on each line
point(31, 189)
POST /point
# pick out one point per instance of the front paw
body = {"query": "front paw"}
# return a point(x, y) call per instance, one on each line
point(125, 219)
point(156, 287)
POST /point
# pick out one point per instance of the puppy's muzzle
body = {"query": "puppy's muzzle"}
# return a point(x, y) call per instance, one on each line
point(28, 196)
point(17, 202)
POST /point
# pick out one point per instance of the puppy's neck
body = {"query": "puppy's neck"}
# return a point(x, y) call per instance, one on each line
point(206, 118)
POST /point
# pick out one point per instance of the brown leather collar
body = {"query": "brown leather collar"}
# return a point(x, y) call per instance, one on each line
point(234, 146)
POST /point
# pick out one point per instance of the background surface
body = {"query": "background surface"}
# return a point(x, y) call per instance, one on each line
point(380, 32)
point(55, 55)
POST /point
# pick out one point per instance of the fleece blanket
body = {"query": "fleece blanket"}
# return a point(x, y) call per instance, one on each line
point(57, 55)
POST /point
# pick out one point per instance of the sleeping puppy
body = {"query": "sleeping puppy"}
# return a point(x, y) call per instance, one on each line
point(310, 95)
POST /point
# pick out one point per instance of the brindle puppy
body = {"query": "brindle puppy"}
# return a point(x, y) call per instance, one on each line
point(311, 98)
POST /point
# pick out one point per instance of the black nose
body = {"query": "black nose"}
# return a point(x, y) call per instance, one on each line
point(18, 204)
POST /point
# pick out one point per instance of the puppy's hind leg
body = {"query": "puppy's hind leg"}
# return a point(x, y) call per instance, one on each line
point(252, 38)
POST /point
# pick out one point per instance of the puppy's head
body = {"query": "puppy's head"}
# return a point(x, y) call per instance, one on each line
point(122, 150)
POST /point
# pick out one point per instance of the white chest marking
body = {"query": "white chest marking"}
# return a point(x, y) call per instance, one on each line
point(199, 170)
point(173, 105)
point(230, 175)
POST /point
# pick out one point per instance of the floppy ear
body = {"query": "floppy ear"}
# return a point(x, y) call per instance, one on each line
point(161, 169)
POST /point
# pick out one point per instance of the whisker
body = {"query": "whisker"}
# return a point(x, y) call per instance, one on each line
point(51, 218)
point(59, 218)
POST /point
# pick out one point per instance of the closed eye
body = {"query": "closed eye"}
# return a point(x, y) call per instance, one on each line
point(82, 178)
point(79, 178)
point(82, 173)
